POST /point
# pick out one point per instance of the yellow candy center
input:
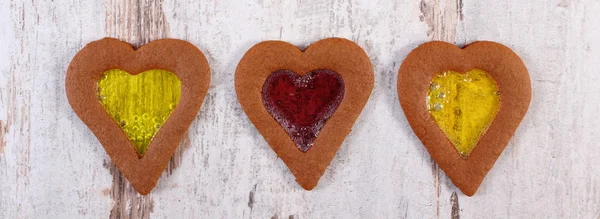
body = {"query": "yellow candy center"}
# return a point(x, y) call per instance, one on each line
point(463, 106)
point(139, 104)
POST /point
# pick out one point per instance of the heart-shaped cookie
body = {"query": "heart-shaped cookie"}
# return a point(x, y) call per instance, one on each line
point(138, 103)
point(304, 103)
point(464, 104)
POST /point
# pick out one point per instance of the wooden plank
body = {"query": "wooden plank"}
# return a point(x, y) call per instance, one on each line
point(42, 139)
point(546, 170)
point(136, 22)
point(442, 18)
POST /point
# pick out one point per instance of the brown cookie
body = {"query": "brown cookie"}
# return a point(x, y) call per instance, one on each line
point(512, 79)
point(176, 56)
point(333, 80)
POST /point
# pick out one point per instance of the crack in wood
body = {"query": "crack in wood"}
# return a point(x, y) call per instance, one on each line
point(435, 169)
point(251, 197)
point(177, 157)
point(455, 213)
point(459, 9)
point(3, 131)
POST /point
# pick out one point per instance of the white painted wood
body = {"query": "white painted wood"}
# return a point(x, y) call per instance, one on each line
point(51, 166)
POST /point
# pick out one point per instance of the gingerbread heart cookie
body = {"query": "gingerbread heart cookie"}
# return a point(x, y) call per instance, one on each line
point(138, 103)
point(304, 103)
point(464, 104)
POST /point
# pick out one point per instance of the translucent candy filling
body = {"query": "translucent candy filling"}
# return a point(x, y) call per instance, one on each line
point(139, 104)
point(302, 104)
point(463, 106)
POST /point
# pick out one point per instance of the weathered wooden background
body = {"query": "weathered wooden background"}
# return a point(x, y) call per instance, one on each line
point(51, 166)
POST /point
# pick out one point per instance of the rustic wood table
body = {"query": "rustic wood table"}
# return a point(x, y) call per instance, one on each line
point(52, 166)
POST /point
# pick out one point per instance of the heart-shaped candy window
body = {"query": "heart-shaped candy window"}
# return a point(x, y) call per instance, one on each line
point(463, 106)
point(139, 104)
point(302, 104)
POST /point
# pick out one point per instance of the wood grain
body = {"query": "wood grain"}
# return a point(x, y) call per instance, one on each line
point(51, 165)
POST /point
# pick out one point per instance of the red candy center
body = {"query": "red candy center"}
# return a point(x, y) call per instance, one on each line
point(302, 104)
